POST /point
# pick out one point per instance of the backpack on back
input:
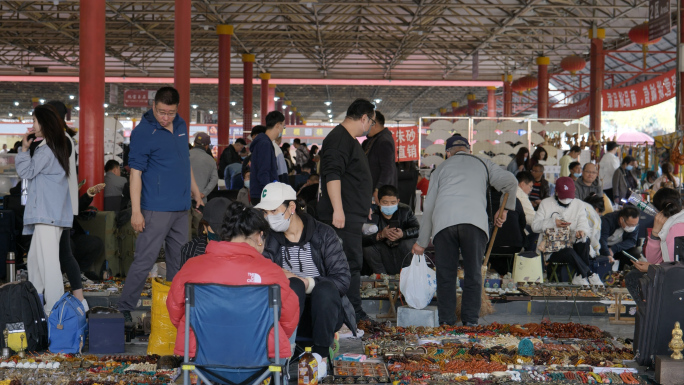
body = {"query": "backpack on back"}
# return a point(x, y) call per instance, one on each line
point(67, 325)
point(19, 303)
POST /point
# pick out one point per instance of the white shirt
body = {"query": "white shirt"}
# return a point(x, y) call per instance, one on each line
point(526, 204)
point(594, 221)
point(664, 179)
point(607, 166)
point(616, 237)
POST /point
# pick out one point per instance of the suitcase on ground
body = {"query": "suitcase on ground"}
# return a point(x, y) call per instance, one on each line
point(103, 226)
point(663, 290)
point(8, 235)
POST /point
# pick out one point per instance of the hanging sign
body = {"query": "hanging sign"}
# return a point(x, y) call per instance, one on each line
point(659, 20)
point(406, 143)
point(138, 98)
point(641, 95)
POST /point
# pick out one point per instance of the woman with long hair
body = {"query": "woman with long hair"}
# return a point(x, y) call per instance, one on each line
point(48, 206)
point(538, 155)
point(660, 245)
point(667, 179)
point(517, 164)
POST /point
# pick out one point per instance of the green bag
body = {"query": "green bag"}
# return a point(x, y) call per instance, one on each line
point(102, 226)
point(126, 250)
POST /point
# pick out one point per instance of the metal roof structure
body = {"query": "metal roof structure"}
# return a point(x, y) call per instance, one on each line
point(402, 39)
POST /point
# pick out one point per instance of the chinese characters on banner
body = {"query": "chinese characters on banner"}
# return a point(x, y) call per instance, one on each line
point(641, 95)
point(138, 98)
point(406, 143)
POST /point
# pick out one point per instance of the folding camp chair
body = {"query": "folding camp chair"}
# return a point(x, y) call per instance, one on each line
point(231, 326)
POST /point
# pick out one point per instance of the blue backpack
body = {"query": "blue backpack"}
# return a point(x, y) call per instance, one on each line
point(67, 325)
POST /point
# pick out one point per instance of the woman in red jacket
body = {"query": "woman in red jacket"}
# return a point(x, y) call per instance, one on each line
point(237, 260)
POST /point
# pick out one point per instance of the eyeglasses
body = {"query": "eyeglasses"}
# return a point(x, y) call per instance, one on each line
point(167, 114)
point(372, 122)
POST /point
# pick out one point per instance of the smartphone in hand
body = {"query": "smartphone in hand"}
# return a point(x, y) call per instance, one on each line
point(630, 256)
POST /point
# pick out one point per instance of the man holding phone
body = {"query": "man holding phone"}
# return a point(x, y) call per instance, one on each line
point(162, 186)
point(386, 250)
point(619, 234)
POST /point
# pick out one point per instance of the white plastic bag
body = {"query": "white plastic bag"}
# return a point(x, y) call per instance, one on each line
point(418, 283)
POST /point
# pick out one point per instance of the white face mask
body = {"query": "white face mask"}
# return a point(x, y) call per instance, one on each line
point(565, 201)
point(278, 222)
point(629, 229)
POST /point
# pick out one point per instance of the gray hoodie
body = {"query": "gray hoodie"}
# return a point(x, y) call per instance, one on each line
point(582, 191)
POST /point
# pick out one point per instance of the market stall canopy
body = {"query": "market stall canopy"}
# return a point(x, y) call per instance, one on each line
point(634, 138)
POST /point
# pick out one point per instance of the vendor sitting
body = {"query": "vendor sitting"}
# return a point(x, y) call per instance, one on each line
point(619, 232)
point(234, 261)
point(398, 228)
point(311, 255)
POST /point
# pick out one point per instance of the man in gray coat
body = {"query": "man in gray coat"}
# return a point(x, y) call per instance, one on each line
point(203, 165)
point(455, 216)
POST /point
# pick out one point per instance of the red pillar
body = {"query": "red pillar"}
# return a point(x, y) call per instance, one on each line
point(264, 93)
point(280, 103)
point(224, 33)
point(181, 58)
point(247, 89)
point(508, 95)
point(471, 104)
point(91, 94)
point(491, 102)
point(293, 116)
point(271, 98)
point(543, 88)
point(287, 104)
point(596, 81)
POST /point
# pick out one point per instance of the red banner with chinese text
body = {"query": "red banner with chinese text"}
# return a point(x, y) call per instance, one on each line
point(406, 143)
point(136, 98)
point(572, 111)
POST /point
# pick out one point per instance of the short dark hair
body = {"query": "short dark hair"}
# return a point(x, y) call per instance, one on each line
point(60, 107)
point(596, 202)
point(314, 176)
point(379, 118)
point(667, 201)
point(297, 141)
point(629, 212)
point(525, 177)
point(168, 96)
point(388, 191)
point(240, 141)
point(573, 165)
point(627, 160)
point(310, 165)
point(587, 164)
point(111, 164)
point(575, 149)
point(538, 165)
point(651, 174)
point(256, 130)
point(610, 146)
point(240, 220)
point(359, 108)
point(273, 118)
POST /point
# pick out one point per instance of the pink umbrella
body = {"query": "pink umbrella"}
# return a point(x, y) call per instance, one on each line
point(634, 138)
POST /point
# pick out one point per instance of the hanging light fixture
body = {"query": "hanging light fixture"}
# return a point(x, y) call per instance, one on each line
point(573, 64)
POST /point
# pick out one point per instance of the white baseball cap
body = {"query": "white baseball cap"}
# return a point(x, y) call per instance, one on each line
point(275, 194)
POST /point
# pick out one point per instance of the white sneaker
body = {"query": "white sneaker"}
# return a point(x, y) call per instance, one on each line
point(583, 282)
point(577, 280)
point(85, 279)
point(85, 304)
point(595, 280)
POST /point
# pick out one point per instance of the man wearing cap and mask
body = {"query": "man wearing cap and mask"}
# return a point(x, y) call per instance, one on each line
point(203, 165)
point(455, 216)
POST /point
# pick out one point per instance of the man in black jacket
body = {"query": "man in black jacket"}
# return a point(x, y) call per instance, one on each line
point(385, 251)
point(619, 233)
point(346, 189)
point(231, 156)
point(381, 152)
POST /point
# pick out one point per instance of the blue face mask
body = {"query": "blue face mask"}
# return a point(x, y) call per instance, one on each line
point(389, 210)
point(629, 167)
point(243, 157)
point(247, 184)
point(577, 174)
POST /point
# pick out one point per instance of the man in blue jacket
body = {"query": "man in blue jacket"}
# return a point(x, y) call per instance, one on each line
point(264, 167)
point(162, 186)
point(619, 232)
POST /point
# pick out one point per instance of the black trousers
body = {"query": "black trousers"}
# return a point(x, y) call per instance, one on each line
point(471, 241)
point(383, 259)
point(320, 313)
point(67, 262)
point(86, 249)
point(577, 256)
point(351, 236)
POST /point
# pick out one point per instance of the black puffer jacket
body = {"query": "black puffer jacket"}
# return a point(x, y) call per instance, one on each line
point(408, 223)
point(327, 254)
